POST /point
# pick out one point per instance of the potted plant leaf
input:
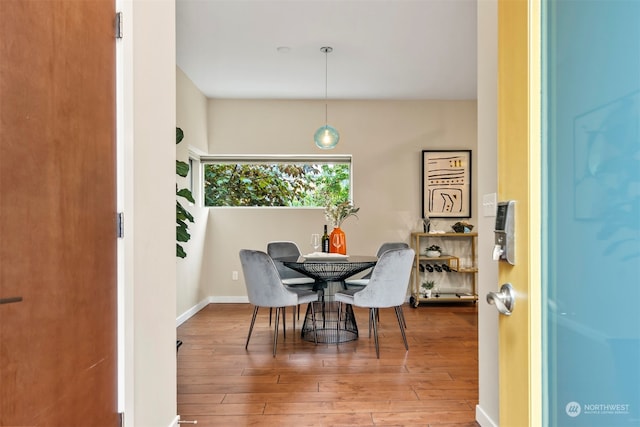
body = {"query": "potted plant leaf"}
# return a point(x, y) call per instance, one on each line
point(427, 288)
point(182, 215)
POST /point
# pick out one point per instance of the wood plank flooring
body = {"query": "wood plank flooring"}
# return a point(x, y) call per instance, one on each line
point(434, 384)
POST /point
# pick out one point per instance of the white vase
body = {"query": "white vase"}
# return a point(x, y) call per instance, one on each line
point(433, 254)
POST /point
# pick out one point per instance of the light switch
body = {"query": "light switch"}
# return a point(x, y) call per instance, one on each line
point(489, 202)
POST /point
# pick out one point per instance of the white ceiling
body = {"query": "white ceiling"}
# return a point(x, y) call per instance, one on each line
point(382, 49)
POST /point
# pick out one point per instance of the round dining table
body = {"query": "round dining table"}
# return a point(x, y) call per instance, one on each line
point(329, 272)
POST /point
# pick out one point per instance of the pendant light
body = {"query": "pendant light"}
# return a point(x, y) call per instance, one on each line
point(326, 137)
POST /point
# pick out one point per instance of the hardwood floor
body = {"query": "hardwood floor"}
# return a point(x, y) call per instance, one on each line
point(433, 384)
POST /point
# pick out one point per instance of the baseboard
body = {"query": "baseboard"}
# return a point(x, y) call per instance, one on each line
point(192, 311)
point(209, 300)
point(483, 419)
point(217, 300)
point(175, 421)
point(229, 300)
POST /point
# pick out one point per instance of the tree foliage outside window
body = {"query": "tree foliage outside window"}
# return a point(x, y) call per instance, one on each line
point(291, 184)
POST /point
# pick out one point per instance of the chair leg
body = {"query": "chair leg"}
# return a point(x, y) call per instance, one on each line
point(306, 316)
point(270, 312)
point(404, 321)
point(377, 314)
point(283, 312)
point(275, 330)
point(313, 322)
point(324, 314)
point(294, 317)
point(400, 317)
point(349, 315)
point(253, 320)
point(372, 316)
point(338, 323)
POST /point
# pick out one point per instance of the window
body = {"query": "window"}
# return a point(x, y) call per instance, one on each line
point(294, 181)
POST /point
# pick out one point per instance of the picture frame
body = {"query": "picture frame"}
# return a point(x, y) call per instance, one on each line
point(446, 183)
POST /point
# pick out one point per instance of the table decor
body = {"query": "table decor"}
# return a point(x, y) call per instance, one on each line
point(336, 214)
point(324, 256)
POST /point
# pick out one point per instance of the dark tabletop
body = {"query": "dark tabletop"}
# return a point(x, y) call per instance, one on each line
point(330, 270)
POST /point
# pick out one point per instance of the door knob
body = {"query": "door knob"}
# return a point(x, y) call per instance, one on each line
point(504, 300)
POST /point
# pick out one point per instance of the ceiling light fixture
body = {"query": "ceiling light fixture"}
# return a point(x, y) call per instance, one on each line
point(326, 137)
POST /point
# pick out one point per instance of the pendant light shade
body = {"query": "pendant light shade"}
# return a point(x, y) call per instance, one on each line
point(326, 137)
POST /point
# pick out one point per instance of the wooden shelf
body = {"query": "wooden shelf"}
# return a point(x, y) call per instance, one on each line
point(460, 249)
point(448, 297)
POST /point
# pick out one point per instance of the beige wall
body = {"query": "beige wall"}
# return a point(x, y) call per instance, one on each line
point(191, 117)
point(487, 411)
point(147, 111)
point(385, 138)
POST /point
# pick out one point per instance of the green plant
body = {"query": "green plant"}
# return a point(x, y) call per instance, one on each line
point(429, 284)
point(434, 248)
point(337, 213)
point(182, 215)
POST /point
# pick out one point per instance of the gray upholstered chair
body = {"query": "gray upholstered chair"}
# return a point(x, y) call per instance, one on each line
point(387, 288)
point(290, 278)
point(265, 289)
point(364, 280)
point(279, 249)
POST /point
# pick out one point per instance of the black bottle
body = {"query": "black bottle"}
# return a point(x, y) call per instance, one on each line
point(325, 240)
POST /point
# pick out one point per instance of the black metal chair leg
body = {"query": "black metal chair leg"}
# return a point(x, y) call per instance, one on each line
point(313, 322)
point(404, 321)
point(306, 316)
point(375, 330)
point(294, 317)
point(338, 323)
point(275, 331)
point(253, 320)
point(283, 312)
point(399, 315)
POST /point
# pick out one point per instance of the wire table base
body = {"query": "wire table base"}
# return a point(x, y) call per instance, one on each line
point(330, 330)
point(330, 276)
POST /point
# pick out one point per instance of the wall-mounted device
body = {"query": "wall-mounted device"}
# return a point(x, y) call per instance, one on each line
point(504, 248)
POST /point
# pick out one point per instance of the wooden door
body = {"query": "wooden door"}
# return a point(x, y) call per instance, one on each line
point(57, 213)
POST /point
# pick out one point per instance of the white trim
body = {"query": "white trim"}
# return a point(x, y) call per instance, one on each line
point(282, 158)
point(196, 153)
point(192, 311)
point(230, 300)
point(209, 300)
point(174, 423)
point(483, 418)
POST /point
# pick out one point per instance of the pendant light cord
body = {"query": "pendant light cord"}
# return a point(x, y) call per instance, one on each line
point(326, 51)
